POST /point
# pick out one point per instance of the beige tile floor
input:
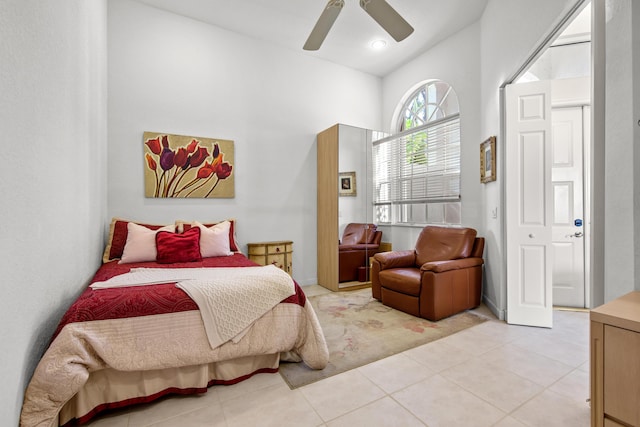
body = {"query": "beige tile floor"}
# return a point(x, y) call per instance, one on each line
point(492, 374)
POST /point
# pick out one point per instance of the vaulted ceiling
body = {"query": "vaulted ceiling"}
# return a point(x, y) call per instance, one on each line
point(287, 23)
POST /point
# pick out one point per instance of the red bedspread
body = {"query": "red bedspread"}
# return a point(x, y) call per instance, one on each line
point(115, 336)
point(119, 303)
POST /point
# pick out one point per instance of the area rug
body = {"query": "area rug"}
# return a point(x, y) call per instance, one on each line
point(360, 330)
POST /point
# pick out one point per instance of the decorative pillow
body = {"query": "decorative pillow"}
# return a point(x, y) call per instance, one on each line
point(174, 247)
point(118, 237)
point(214, 240)
point(141, 243)
point(183, 226)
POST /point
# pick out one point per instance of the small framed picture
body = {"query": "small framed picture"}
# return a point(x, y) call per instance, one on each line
point(347, 184)
point(488, 160)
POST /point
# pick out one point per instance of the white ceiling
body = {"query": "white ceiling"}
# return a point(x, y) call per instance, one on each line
point(287, 23)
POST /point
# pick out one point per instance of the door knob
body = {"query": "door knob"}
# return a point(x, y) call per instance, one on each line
point(576, 234)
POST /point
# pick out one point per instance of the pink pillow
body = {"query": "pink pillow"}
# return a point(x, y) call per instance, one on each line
point(214, 240)
point(141, 243)
point(183, 226)
point(174, 247)
point(118, 237)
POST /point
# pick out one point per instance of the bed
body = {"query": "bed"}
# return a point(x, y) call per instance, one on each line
point(123, 342)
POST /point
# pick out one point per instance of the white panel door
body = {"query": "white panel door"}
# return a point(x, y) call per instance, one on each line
point(529, 204)
point(568, 208)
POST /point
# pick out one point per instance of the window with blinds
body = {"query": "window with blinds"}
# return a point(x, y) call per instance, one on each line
point(417, 171)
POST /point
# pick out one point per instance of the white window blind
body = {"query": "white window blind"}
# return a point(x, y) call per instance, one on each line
point(420, 165)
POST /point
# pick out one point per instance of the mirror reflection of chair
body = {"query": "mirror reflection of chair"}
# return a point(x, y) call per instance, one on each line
point(359, 242)
point(442, 276)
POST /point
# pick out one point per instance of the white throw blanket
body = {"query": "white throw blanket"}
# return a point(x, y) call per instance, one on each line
point(236, 297)
point(230, 299)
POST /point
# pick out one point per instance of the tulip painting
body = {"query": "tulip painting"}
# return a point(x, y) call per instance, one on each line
point(183, 166)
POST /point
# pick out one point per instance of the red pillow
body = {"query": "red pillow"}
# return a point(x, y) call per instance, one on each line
point(174, 247)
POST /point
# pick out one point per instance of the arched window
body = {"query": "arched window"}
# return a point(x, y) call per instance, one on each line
point(432, 101)
point(417, 170)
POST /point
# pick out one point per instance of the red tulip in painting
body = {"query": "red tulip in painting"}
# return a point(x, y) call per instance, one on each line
point(193, 169)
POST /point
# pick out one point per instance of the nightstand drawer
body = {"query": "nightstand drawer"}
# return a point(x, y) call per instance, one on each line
point(278, 253)
point(255, 249)
point(279, 248)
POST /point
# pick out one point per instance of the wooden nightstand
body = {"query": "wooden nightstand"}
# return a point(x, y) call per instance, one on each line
point(278, 253)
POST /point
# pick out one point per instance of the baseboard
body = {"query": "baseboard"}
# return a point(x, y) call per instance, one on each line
point(500, 314)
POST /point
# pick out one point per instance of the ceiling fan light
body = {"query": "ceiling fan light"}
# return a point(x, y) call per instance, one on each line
point(378, 44)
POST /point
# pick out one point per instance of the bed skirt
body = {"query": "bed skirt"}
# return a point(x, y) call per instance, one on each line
point(110, 389)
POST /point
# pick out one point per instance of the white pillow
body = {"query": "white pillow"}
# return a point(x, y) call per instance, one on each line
point(141, 243)
point(214, 240)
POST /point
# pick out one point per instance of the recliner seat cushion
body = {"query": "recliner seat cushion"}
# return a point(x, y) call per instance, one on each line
point(403, 280)
point(444, 243)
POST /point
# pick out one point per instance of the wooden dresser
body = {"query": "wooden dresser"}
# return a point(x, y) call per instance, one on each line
point(278, 253)
point(615, 363)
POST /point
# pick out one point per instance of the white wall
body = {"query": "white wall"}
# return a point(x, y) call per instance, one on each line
point(53, 174)
point(619, 148)
point(172, 74)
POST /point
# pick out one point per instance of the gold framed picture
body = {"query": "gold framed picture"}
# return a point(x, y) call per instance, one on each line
point(347, 184)
point(182, 166)
point(488, 160)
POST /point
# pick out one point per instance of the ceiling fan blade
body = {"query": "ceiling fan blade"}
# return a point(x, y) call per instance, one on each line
point(324, 24)
point(388, 18)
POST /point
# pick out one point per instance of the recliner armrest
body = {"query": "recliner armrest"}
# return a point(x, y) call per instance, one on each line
point(454, 264)
point(396, 259)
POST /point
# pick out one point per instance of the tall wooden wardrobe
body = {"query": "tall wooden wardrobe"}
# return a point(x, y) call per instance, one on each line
point(341, 148)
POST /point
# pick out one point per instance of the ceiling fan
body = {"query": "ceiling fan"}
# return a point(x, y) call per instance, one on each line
point(379, 10)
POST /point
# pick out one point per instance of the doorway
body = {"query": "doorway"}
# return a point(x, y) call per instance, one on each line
point(547, 196)
point(568, 169)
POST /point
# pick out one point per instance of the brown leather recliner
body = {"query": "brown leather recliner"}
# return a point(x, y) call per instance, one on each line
point(442, 276)
point(359, 242)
